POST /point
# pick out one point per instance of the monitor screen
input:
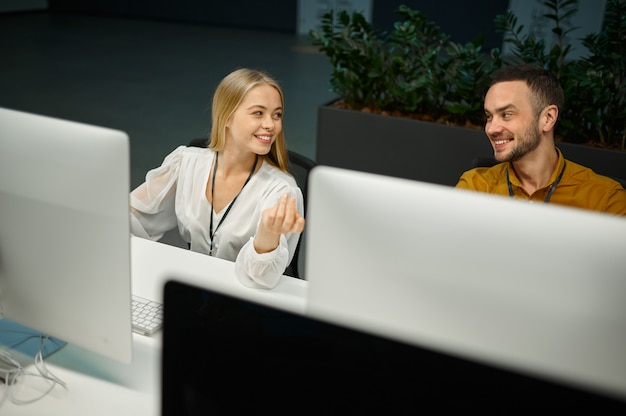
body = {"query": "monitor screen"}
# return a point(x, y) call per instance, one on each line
point(223, 355)
point(535, 288)
point(64, 231)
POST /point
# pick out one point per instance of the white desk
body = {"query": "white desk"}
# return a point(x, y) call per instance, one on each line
point(100, 386)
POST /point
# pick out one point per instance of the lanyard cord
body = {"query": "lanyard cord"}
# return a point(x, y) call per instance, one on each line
point(550, 192)
point(211, 231)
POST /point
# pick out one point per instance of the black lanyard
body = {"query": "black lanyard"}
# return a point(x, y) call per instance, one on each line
point(550, 192)
point(211, 231)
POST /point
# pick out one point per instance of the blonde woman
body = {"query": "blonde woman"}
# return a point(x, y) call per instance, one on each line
point(235, 198)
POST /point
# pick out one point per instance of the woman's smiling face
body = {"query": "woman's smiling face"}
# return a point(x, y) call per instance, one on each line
point(258, 120)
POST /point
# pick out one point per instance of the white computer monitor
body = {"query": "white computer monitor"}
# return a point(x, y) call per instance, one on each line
point(536, 288)
point(64, 231)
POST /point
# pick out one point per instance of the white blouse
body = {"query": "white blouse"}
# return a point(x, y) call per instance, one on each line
point(174, 194)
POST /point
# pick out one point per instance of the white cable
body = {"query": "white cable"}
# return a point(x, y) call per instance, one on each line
point(9, 374)
point(12, 375)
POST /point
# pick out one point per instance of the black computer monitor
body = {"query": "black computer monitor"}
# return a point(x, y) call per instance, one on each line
point(224, 355)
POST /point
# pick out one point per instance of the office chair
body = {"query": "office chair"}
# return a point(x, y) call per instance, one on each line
point(299, 166)
point(484, 162)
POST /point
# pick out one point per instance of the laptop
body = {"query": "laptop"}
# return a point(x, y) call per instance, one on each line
point(226, 355)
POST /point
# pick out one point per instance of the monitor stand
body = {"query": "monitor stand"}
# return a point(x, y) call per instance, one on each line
point(20, 344)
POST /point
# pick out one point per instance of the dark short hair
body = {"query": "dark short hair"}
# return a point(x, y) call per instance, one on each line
point(544, 86)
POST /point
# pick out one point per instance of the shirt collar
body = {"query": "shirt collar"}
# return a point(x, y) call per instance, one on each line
point(555, 173)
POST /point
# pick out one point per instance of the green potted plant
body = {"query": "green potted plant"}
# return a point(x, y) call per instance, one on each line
point(410, 101)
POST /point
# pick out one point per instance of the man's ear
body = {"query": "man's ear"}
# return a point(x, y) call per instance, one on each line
point(549, 116)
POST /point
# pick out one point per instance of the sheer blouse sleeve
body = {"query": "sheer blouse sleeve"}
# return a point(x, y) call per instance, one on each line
point(264, 270)
point(152, 210)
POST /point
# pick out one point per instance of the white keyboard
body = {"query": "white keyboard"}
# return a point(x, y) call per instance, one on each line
point(147, 315)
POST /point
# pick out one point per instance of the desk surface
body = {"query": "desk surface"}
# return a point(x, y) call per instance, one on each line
point(99, 386)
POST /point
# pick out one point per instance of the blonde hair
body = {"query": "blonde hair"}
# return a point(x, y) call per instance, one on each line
point(228, 95)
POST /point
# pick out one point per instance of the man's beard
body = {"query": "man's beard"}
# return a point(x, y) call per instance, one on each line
point(523, 144)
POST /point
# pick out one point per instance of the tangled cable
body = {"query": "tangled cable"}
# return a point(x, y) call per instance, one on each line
point(12, 372)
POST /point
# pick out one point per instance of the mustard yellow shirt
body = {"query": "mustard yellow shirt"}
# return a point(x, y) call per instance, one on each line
point(579, 186)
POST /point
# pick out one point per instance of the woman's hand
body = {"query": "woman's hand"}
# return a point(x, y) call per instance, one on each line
point(282, 218)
